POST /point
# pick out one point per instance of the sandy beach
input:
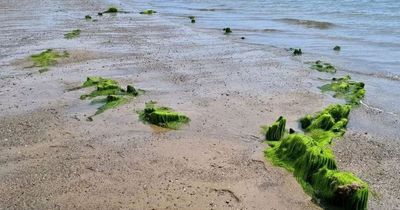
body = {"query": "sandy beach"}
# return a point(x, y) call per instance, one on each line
point(53, 158)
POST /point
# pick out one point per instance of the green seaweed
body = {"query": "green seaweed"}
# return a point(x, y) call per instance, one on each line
point(297, 51)
point(93, 81)
point(310, 157)
point(227, 30)
point(148, 12)
point(106, 87)
point(111, 10)
point(192, 19)
point(323, 67)
point(162, 116)
point(73, 34)
point(46, 59)
point(353, 92)
point(314, 158)
point(44, 70)
point(111, 102)
point(276, 131)
point(331, 118)
point(289, 149)
point(115, 95)
point(337, 48)
point(341, 188)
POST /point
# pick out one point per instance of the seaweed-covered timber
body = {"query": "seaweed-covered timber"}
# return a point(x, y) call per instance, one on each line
point(192, 19)
point(148, 12)
point(337, 48)
point(114, 94)
point(227, 30)
point(323, 67)
point(276, 131)
point(297, 51)
point(312, 161)
point(163, 116)
point(111, 10)
point(46, 59)
point(347, 89)
point(73, 34)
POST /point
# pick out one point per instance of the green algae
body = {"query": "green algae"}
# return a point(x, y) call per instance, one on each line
point(162, 116)
point(289, 149)
point(106, 87)
point(192, 19)
point(314, 158)
point(148, 12)
point(323, 67)
point(73, 34)
point(111, 10)
point(310, 157)
point(353, 92)
point(93, 81)
point(333, 118)
point(341, 188)
point(44, 70)
point(337, 48)
point(46, 59)
point(276, 131)
point(227, 30)
point(110, 91)
point(111, 102)
point(297, 51)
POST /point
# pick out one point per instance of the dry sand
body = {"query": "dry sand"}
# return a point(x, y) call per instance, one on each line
point(52, 158)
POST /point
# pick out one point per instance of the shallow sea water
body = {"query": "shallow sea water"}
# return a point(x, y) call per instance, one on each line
point(368, 32)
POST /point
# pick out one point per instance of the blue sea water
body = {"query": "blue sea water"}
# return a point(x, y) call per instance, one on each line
point(368, 32)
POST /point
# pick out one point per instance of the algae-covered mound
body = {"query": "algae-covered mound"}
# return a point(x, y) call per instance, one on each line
point(302, 155)
point(73, 34)
point(337, 48)
point(341, 188)
point(313, 164)
point(192, 19)
point(227, 30)
point(46, 59)
point(353, 92)
point(109, 102)
point(148, 12)
point(163, 116)
point(333, 118)
point(312, 161)
point(114, 94)
point(111, 10)
point(323, 67)
point(297, 52)
point(276, 131)
point(106, 87)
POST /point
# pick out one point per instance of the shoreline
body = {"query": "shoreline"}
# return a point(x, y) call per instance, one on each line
point(228, 89)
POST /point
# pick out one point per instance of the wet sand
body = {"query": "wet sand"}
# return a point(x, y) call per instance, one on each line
point(52, 158)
